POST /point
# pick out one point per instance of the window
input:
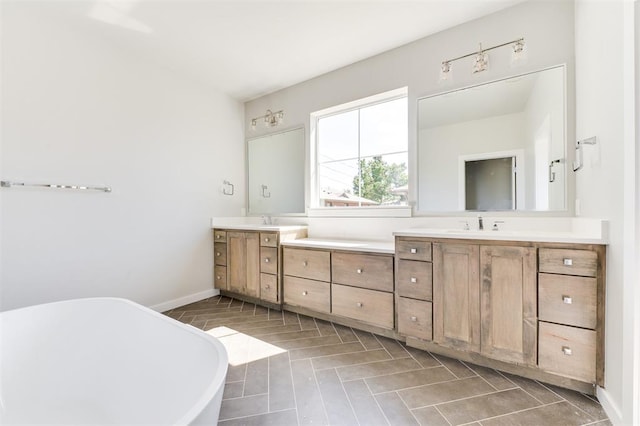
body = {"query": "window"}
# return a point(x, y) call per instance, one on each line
point(362, 154)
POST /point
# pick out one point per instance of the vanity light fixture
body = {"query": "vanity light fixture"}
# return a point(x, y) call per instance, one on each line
point(270, 119)
point(481, 58)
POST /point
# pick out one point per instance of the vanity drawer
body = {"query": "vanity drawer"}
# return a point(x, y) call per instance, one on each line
point(219, 236)
point(269, 288)
point(269, 239)
point(269, 260)
point(312, 264)
point(568, 262)
point(220, 254)
point(415, 249)
point(370, 306)
point(414, 279)
point(220, 277)
point(363, 270)
point(307, 293)
point(415, 318)
point(567, 300)
point(567, 351)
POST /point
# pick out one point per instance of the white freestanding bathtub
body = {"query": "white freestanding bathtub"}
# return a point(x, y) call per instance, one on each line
point(106, 361)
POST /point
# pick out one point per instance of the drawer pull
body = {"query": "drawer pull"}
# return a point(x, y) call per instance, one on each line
point(266, 260)
point(218, 253)
point(567, 262)
point(267, 287)
point(218, 236)
point(359, 270)
point(359, 304)
point(305, 263)
point(414, 319)
point(304, 293)
point(218, 277)
point(266, 240)
point(566, 350)
point(567, 300)
point(414, 280)
point(413, 250)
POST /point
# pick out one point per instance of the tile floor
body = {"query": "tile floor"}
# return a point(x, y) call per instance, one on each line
point(289, 369)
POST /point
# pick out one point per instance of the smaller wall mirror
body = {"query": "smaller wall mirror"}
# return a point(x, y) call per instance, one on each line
point(498, 146)
point(275, 166)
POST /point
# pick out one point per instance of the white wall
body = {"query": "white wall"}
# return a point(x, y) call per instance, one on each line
point(439, 150)
point(78, 110)
point(546, 26)
point(606, 184)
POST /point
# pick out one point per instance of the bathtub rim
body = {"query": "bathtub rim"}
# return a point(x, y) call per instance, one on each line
point(218, 380)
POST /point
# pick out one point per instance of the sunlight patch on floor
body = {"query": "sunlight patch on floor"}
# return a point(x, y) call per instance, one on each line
point(242, 348)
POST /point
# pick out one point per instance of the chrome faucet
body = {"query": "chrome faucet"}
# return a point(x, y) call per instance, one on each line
point(480, 224)
point(266, 220)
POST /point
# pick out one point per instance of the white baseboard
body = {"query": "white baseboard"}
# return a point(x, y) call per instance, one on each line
point(165, 306)
point(609, 406)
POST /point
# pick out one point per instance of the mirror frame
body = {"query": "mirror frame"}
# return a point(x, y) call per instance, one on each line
point(569, 120)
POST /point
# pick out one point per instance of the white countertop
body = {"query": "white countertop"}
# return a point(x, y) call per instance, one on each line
point(259, 227)
point(535, 236)
point(385, 247)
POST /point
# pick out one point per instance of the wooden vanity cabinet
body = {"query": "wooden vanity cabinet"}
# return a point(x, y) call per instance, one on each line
point(248, 263)
point(243, 263)
point(571, 313)
point(352, 288)
point(456, 301)
point(508, 304)
point(530, 308)
point(307, 276)
point(414, 288)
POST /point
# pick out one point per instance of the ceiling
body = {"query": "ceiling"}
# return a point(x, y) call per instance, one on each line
point(250, 48)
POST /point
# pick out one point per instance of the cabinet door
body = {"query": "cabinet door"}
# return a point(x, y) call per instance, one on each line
point(508, 303)
point(456, 296)
point(243, 263)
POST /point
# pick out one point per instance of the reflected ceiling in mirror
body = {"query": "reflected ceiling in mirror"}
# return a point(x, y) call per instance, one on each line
point(275, 173)
point(520, 120)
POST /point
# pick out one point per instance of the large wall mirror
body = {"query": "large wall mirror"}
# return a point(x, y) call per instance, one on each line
point(498, 146)
point(275, 169)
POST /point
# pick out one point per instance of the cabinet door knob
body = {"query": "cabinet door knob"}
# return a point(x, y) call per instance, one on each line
point(359, 304)
point(305, 263)
point(414, 280)
point(414, 319)
point(219, 277)
point(567, 262)
point(218, 253)
point(359, 270)
point(304, 293)
point(266, 240)
point(566, 350)
point(218, 236)
point(413, 250)
point(567, 300)
point(266, 260)
point(267, 287)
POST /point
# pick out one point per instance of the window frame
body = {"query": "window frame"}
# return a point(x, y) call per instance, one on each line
point(314, 180)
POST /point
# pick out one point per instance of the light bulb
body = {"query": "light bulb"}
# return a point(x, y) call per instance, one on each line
point(518, 53)
point(481, 61)
point(446, 72)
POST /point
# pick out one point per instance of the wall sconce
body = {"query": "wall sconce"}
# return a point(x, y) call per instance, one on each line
point(481, 58)
point(270, 119)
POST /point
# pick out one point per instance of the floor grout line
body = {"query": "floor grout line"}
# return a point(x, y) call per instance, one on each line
point(230, 306)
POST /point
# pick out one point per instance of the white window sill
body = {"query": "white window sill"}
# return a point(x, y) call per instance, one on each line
point(399, 211)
